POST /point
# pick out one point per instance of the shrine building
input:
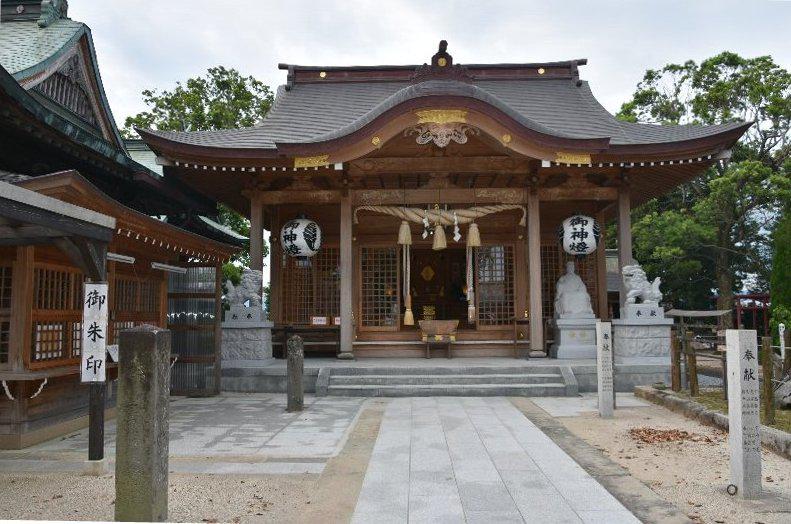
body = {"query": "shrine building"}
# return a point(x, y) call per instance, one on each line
point(438, 190)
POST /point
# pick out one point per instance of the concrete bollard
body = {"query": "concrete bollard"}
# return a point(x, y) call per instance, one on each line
point(295, 368)
point(141, 457)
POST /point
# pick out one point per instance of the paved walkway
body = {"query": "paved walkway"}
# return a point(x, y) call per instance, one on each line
point(446, 459)
point(235, 434)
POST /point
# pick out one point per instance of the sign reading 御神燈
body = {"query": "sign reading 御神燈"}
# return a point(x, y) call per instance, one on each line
point(94, 333)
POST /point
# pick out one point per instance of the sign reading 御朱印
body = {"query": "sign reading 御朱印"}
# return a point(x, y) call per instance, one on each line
point(94, 333)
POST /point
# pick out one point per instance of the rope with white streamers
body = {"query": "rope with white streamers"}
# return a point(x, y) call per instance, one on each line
point(441, 216)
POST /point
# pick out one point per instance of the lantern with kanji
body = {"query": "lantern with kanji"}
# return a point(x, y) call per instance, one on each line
point(579, 235)
point(301, 238)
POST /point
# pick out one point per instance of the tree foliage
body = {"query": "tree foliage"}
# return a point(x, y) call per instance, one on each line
point(714, 232)
point(222, 99)
point(781, 273)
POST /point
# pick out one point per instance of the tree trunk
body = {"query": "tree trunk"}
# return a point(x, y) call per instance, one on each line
point(724, 288)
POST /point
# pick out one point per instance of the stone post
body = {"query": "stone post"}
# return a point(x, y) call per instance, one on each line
point(295, 368)
point(604, 368)
point(141, 457)
point(744, 436)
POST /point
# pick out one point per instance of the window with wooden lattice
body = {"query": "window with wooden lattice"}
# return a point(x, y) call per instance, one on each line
point(494, 269)
point(56, 330)
point(379, 292)
point(311, 289)
point(135, 300)
point(553, 266)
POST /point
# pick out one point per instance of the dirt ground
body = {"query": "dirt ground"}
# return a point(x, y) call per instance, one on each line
point(329, 497)
point(193, 498)
point(692, 475)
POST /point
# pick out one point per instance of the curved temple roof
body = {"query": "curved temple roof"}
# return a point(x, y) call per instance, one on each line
point(547, 102)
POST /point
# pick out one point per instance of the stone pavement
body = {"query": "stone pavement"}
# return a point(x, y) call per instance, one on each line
point(585, 403)
point(447, 459)
point(241, 434)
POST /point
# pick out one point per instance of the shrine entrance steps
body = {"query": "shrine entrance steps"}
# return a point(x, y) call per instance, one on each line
point(439, 380)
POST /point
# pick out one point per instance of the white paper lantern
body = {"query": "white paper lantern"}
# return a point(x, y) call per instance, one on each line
point(300, 237)
point(579, 235)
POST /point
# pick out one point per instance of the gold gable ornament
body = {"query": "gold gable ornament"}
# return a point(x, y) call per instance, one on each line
point(311, 161)
point(441, 116)
point(572, 158)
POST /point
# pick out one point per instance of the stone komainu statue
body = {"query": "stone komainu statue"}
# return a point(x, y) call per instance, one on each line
point(637, 285)
point(249, 289)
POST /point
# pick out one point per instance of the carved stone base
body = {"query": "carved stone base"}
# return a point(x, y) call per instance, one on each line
point(346, 355)
point(643, 312)
point(641, 339)
point(574, 338)
point(247, 343)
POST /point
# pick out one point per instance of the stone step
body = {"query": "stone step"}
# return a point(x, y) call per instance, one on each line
point(468, 379)
point(450, 390)
point(445, 370)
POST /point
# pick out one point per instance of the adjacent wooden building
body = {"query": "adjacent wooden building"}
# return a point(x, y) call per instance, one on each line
point(340, 142)
point(58, 139)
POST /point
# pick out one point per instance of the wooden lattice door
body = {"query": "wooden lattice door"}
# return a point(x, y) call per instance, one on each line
point(194, 312)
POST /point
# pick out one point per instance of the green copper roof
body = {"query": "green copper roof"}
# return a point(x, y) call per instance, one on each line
point(26, 48)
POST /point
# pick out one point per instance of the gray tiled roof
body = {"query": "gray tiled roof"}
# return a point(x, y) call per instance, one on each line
point(315, 111)
point(24, 45)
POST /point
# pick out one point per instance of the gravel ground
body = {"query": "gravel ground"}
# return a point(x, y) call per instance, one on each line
point(691, 475)
point(202, 498)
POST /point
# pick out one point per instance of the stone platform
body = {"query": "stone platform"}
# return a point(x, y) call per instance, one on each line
point(460, 376)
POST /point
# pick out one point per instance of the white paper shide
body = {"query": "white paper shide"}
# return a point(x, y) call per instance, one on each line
point(94, 333)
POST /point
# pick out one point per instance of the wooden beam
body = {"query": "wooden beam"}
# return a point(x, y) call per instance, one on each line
point(534, 265)
point(313, 196)
point(573, 193)
point(624, 234)
point(346, 285)
point(89, 256)
point(502, 164)
point(601, 271)
point(21, 311)
point(256, 234)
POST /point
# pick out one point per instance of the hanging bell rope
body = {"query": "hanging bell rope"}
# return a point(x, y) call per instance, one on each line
point(405, 241)
point(442, 217)
point(470, 284)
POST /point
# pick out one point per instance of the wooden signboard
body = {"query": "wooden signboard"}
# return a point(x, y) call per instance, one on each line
point(94, 333)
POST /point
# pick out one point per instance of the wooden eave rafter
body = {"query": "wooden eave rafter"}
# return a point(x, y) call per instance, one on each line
point(136, 226)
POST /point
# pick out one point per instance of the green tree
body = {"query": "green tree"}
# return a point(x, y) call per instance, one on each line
point(714, 232)
point(781, 273)
point(222, 99)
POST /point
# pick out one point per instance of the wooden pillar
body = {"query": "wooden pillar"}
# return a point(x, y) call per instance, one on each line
point(275, 267)
point(347, 326)
point(624, 234)
point(534, 265)
point(601, 271)
point(22, 310)
point(256, 234)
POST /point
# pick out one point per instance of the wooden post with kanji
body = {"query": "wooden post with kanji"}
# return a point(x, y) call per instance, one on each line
point(604, 367)
point(93, 368)
point(744, 433)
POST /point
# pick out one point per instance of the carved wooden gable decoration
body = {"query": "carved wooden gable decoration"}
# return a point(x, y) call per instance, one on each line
point(67, 87)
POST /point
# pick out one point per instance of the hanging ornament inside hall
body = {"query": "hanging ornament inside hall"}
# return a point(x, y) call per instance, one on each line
point(579, 235)
point(301, 238)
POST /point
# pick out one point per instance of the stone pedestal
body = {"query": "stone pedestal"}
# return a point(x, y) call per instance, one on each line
point(574, 338)
point(641, 338)
point(246, 338)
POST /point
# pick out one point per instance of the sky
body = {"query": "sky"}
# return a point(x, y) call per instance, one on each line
point(153, 44)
